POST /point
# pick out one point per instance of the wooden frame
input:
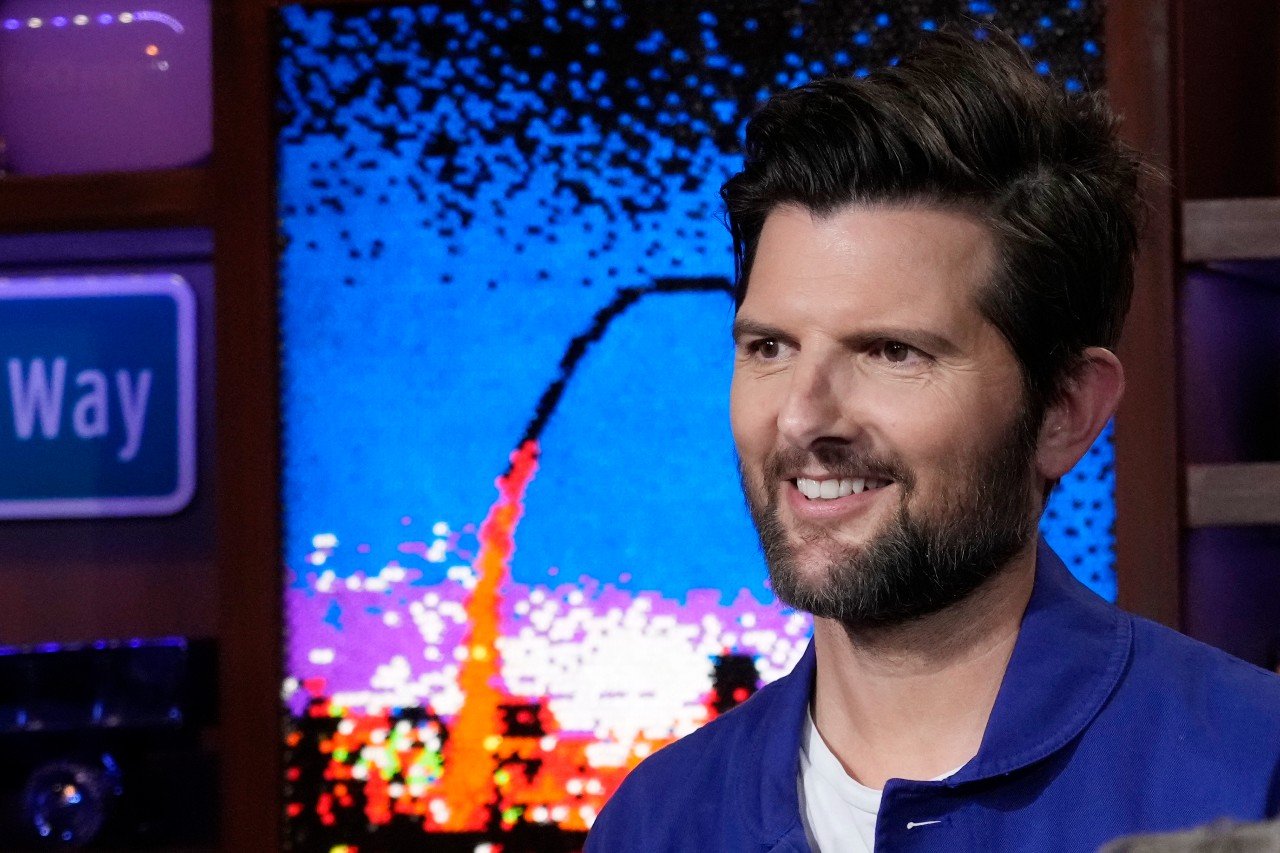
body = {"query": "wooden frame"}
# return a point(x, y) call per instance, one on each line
point(1140, 56)
point(1227, 229)
point(248, 429)
point(1241, 493)
point(170, 198)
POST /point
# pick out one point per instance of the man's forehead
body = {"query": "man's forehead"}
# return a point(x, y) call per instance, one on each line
point(890, 261)
point(931, 231)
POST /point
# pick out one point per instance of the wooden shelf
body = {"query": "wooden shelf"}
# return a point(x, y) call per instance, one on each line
point(174, 197)
point(1230, 229)
point(1228, 495)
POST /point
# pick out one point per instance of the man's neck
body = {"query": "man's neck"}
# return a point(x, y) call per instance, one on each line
point(912, 702)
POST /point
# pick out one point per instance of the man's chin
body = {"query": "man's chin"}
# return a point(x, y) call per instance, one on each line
point(813, 565)
point(815, 547)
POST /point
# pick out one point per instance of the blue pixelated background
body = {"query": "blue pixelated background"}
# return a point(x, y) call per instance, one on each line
point(462, 189)
point(496, 223)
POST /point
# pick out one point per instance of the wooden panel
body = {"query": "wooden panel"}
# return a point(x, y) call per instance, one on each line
point(1226, 495)
point(66, 596)
point(177, 197)
point(1230, 229)
point(1230, 91)
point(247, 436)
point(1148, 476)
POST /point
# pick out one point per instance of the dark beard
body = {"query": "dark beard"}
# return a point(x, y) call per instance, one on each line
point(919, 565)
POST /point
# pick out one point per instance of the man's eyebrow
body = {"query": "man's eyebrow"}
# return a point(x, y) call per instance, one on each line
point(922, 339)
point(745, 328)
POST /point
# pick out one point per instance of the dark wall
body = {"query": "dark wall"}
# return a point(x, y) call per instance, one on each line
point(1230, 73)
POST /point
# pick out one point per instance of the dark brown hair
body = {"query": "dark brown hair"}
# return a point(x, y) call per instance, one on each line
point(967, 124)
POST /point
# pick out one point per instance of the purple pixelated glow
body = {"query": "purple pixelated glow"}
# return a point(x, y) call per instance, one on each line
point(385, 639)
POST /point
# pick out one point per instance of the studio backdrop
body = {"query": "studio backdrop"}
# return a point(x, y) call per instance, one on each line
point(516, 555)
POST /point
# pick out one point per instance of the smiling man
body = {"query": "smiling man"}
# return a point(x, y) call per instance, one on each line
point(934, 264)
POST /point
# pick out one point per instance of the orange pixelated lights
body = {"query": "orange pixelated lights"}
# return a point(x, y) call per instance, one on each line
point(468, 786)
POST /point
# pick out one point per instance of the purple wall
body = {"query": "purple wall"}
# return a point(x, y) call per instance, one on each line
point(1231, 413)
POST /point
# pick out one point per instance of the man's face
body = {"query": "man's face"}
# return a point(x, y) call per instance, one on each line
point(879, 418)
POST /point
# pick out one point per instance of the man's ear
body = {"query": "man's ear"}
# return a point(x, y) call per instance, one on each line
point(1083, 408)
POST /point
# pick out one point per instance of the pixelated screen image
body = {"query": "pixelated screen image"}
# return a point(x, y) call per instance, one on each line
point(517, 559)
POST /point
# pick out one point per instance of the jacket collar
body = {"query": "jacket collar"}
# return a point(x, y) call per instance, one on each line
point(768, 758)
point(1071, 651)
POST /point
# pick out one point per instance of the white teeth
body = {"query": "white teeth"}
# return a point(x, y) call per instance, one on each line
point(831, 489)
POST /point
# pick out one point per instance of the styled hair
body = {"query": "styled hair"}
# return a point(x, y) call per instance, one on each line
point(967, 124)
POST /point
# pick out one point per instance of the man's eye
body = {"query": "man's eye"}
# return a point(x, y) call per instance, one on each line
point(766, 348)
point(896, 352)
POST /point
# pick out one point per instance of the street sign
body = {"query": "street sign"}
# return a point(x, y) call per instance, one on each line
point(97, 396)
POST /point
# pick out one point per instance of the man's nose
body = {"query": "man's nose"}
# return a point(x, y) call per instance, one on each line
point(814, 409)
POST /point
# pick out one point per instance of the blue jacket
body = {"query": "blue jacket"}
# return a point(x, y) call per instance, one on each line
point(1105, 724)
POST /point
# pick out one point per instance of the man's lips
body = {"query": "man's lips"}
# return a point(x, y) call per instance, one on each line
point(847, 495)
point(816, 488)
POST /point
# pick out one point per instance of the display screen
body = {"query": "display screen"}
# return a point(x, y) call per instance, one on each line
point(104, 85)
point(517, 559)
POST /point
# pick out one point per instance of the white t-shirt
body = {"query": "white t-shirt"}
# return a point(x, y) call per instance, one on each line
point(838, 812)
